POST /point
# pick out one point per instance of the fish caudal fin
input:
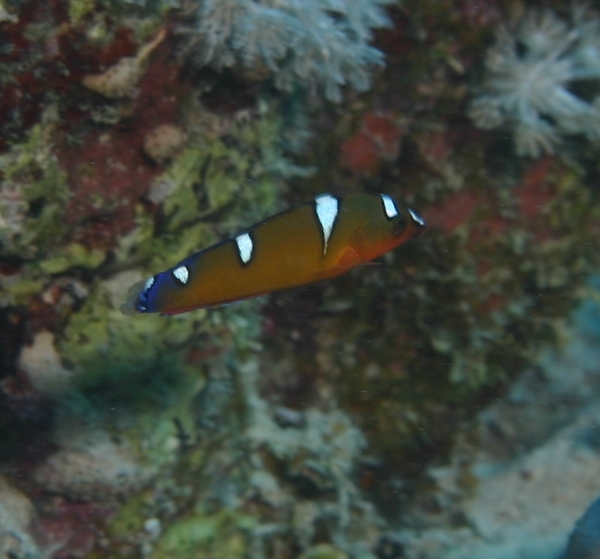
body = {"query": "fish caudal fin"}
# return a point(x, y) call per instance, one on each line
point(130, 307)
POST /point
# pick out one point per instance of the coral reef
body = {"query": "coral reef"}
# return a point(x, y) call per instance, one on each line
point(318, 45)
point(334, 421)
point(318, 456)
point(542, 80)
point(241, 494)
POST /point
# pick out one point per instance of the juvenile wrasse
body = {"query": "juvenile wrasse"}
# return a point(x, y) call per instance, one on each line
point(316, 240)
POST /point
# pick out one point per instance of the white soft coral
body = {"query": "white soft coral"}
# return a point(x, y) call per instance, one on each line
point(531, 71)
point(320, 45)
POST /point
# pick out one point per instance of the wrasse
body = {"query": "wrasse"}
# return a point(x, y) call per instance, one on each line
point(313, 241)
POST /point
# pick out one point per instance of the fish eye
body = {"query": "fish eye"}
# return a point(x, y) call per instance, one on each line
point(398, 225)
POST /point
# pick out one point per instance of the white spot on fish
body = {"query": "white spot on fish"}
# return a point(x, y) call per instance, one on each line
point(327, 211)
point(389, 206)
point(245, 247)
point(181, 274)
point(417, 217)
point(149, 283)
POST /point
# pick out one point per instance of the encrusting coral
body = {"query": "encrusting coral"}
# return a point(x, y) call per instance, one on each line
point(534, 70)
point(320, 45)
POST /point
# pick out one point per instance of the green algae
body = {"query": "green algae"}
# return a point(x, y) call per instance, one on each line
point(323, 551)
point(74, 254)
point(33, 221)
point(78, 9)
point(222, 534)
point(34, 191)
point(22, 290)
point(100, 342)
point(129, 518)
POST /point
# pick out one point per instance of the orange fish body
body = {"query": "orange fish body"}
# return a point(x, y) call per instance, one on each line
point(313, 241)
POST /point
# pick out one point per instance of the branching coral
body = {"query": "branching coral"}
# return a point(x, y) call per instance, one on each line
point(321, 44)
point(533, 70)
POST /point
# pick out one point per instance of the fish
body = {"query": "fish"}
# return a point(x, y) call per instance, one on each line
point(313, 241)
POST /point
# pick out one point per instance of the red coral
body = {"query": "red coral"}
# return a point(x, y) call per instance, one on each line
point(385, 133)
point(535, 192)
point(360, 154)
point(107, 176)
point(123, 44)
point(55, 61)
point(377, 140)
point(458, 210)
point(108, 173)
point(453, 212)
point(537, 189)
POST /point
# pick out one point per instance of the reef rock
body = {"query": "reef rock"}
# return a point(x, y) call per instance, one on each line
point(92, 467)
point(164, 141)
point(16, 512)
point(41, 363)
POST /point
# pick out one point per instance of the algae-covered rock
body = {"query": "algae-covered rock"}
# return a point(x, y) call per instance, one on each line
point(33, 192)
point(101, 343)
point(222, 534)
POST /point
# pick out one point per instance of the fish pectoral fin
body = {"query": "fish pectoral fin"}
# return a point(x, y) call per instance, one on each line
point(349, 258)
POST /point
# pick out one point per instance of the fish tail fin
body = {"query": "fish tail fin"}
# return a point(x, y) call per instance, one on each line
point(130, 306)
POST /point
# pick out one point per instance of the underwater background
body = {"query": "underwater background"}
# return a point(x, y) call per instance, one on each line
point(443, 404)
